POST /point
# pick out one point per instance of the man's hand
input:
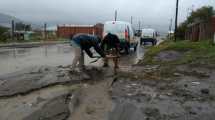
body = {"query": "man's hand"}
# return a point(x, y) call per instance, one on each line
point(112, 56)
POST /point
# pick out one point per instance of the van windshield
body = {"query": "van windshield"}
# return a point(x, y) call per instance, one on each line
point(149, 33)
point(114, 28)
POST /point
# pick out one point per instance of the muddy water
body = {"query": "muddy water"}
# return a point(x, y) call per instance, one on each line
point(15, 59)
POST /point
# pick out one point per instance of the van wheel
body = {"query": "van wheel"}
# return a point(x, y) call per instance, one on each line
point(141, 41)
point(154, 42)
point(135, 48)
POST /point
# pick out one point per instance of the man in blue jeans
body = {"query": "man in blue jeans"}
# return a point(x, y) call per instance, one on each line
point(81, 43)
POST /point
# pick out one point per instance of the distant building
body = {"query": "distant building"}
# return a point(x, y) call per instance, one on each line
point(170, 34)
point(65, 31)
point(201, 30)
point(23, 35)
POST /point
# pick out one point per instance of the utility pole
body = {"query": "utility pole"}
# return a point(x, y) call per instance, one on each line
point(176, 20)
point(45, 31)
point(12, 30)
point(115, 17)
point(131, 19)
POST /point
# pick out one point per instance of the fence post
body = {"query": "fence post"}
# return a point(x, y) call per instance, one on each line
point(12, 30)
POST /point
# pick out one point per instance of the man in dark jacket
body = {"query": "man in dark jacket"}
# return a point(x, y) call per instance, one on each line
point(111, 45)
point(83, 42)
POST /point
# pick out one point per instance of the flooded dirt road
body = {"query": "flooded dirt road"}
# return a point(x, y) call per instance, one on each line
point(15, 59)
point(135, 93)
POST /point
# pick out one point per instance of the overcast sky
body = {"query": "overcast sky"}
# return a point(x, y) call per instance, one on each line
point(154, 13)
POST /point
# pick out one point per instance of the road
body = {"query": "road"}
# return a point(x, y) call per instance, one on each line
point(15, 59)
point(31, 92)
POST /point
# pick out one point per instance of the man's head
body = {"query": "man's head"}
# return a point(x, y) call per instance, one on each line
point(109, 33)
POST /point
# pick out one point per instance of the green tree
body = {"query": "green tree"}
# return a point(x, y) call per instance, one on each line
point(3, 36)
point(22, 27)
point(181, 30)
point(202, 14)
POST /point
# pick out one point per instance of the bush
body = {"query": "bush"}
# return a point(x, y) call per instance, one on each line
point(3, 34)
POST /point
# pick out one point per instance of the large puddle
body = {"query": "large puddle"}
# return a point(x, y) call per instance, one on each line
point(15, 59)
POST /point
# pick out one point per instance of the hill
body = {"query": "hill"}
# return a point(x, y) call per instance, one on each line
point(5, 20)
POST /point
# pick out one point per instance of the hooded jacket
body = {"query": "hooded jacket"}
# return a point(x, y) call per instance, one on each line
point(110, 41)
point(86, 41)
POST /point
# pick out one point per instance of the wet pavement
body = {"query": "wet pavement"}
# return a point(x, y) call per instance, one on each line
point(15, 59)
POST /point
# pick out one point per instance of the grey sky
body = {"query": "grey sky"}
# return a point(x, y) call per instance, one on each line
point(156, 13)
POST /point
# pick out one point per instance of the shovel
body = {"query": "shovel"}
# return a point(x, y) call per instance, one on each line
point(95, 60)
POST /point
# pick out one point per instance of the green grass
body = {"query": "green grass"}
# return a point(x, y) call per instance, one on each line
point(193, 53)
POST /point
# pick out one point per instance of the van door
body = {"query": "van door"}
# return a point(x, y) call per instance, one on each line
point(126, 34)
point(129, 34)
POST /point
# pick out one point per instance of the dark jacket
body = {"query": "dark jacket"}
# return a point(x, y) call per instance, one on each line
point(110, 41)
point(86, 42)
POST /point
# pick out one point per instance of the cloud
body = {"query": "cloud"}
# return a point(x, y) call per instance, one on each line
point(156, 13)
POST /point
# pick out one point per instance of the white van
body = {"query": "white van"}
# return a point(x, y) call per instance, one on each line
point(148, 35)
point(125, 33)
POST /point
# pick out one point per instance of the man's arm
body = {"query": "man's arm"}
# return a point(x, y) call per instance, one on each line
point(103, 43)
point(89, 53)
point(99, 50)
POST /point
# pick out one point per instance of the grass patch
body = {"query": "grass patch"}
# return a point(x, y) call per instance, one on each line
point(193, 53)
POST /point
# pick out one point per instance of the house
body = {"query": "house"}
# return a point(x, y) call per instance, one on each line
point(23, 35)
point(200, 30)
point(66, 31)
point(51, 33)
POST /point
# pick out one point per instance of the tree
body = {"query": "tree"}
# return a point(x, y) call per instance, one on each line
point(21, 26)
point(3, 36)
point(181, 30)
point(202, 14)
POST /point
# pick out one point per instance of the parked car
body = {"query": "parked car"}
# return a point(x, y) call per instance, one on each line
point(138, 33)
point(148, 35)
point(125, 33)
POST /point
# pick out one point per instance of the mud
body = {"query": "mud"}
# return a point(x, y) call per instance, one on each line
point(135, 93)
point(44, 93)
point(183, 97)
point(95, 102)
point(45, 104)
point(35, 78)
point(167, 56)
